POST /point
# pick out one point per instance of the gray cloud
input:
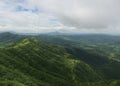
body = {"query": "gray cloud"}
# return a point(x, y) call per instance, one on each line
point(85, 13)
point(63, 15)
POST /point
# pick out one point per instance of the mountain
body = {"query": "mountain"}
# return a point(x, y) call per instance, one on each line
point(53, 61)
point(108, 45)
point(8, 38)
point(37, 63)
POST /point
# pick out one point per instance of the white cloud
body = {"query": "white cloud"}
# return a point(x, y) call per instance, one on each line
point(25, 20)
point(92, 16)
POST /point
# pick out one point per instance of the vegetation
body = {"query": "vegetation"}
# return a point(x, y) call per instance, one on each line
point(56, 61)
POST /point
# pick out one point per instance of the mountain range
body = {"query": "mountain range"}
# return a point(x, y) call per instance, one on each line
point(59, 60)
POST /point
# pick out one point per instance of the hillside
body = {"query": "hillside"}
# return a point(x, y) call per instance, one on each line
point(36, 63)
point(32, 62)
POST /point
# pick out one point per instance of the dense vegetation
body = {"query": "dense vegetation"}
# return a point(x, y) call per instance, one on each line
point(57, 61)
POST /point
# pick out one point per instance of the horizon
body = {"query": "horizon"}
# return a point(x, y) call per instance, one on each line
point(60, 34)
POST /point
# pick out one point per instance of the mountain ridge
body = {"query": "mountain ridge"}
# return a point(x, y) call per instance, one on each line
point(33, 62)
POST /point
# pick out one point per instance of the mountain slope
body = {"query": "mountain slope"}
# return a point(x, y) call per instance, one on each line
point(32, 62)
point(7, 39)
point(35, 63)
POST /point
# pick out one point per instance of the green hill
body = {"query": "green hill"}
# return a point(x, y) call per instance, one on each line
point(37, 63)
point(31, 62)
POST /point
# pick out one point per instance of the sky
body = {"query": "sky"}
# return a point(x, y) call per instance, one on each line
point(67, 16)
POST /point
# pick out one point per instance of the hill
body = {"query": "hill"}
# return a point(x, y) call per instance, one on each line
point(35, 63)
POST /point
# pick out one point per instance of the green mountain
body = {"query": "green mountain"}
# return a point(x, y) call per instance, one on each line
point(7, 39)
point(28, 61)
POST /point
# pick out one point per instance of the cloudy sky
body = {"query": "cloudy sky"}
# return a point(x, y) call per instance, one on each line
point(74, 16)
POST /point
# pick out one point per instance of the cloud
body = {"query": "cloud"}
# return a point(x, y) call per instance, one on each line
point(85, 13)
point(16, 15)
point(92, 16)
